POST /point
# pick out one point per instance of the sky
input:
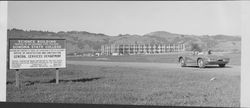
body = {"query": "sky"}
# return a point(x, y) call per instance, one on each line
point(128, 17)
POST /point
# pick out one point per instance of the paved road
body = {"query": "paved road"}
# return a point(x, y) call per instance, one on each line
point(229, 70)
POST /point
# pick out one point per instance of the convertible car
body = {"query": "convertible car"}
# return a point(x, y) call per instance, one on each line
point(202, 59)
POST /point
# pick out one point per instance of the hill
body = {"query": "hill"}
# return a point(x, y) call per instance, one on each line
point(215, 42)
point(85, 42)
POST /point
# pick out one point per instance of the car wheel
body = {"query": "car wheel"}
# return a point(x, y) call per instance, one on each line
point(222, 65)
point(182, 62)
point(201, 63)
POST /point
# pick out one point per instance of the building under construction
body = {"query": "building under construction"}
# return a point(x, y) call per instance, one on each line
point(132, 49)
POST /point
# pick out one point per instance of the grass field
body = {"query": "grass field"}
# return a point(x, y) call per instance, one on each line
point(235, 59)
point(127, 85)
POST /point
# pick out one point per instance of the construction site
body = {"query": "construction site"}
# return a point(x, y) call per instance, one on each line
point(133, 49)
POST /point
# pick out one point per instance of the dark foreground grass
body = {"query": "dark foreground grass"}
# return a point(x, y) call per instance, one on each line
point(235, 58)
point(125, 85)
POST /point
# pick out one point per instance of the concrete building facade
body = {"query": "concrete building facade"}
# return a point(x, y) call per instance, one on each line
point(132, 49)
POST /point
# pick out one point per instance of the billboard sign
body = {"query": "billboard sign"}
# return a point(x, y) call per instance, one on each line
point(37, 53)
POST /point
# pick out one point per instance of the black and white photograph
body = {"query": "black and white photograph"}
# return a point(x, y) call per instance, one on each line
point(156, 53)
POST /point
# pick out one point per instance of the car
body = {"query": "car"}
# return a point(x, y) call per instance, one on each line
point(203, 59)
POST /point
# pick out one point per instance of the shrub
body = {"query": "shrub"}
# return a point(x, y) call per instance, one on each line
point(196, 47)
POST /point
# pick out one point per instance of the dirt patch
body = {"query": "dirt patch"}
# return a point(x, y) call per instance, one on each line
point(29, 83)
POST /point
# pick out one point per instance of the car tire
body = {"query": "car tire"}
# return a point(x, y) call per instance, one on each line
point(222, 65)
point(201, 63)
point(182, 62)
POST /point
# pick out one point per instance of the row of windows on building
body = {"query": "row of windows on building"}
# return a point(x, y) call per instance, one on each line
point(125, 49)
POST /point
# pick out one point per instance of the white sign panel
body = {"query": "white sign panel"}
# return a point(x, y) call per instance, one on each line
point(37, 53)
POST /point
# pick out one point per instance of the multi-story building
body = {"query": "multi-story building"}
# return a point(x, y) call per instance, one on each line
point(131, 49)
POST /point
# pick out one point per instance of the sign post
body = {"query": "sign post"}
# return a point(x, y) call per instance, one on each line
point(17, 78)
point(57, 75)
point(36, 54)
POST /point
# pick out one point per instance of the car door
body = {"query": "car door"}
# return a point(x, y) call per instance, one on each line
point(191, 59)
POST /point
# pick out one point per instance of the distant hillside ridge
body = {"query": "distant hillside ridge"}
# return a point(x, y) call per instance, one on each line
point(86, 42)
